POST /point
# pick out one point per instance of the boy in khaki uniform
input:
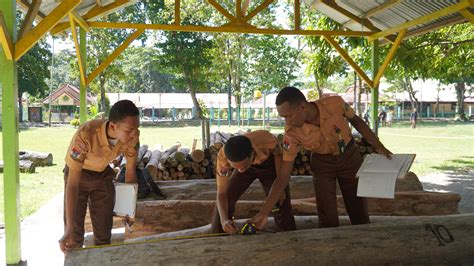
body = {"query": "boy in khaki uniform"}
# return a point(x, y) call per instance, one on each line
point(253, 155)
point(88, 177)
point(322, 127)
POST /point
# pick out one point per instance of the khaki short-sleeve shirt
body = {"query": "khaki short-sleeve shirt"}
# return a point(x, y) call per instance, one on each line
point(264, 145)
point(90, 149)
point(334, 115)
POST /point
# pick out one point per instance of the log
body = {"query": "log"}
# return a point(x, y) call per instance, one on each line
point(168, 152)
point(152, 165)
point(39, 158)
point(300, 187)
point(154, 217)
point(25, 166)
point(141, 152)
point(146, 157)
point(441, 240)
point(197, 156)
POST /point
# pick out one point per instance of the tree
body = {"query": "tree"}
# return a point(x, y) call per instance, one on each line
point(102, 42)
point(184, 54)
point(454, 60)
point(33, 70)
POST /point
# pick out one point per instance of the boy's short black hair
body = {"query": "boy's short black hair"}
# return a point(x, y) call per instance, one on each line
point(291, 95)
point(238, 148)
point(122, 109)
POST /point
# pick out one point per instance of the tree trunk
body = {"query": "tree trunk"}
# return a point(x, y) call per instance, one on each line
point(192, 92)
point(24, 166)
point(102, 80)
point(460, 90)
point(153, 217)
point(359, 96)
point(445, 240)
point(411, 93)
point(39, 158)
point(318, 88)
point(20, 109)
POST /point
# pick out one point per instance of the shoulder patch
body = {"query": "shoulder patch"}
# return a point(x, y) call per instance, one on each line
point(76, 153)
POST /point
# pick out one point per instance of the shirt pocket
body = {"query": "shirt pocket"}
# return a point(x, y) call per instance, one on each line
point(95, 161)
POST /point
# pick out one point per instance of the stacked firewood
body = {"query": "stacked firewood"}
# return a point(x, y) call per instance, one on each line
point(181, 163)
point(174, 163)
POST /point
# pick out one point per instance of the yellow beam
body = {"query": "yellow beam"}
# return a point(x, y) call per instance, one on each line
point(80, 60)
point(238, 9)
point(221, 10)
point(229, 28)
point(245, 7)
point(177, 12)
point(114, 55)
point(26, 42)
point(389, 57)
point(349, 60)
point(467, 14)
point(30, 17)
point(443, 12)
point(82, 23)
point(257, 10)
point(5, 39)
point(297, 14)
point(94, 13)
point(374, 11)
point(23, 4)
point(362, 21)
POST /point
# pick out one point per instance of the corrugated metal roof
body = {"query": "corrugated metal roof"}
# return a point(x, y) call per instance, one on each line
point(397, 13)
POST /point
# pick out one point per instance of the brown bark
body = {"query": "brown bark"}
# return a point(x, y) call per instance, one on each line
point(445, 240)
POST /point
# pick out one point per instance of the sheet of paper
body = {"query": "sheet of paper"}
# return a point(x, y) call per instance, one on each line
point(378, 175)
point(125, 199)
point(377, 185)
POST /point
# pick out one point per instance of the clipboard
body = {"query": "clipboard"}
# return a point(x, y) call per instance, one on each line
point(125, 199)
point(378, 175)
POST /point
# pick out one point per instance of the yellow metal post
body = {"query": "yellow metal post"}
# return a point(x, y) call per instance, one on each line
point(82, 68)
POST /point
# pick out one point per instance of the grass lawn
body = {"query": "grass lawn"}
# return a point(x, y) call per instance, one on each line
point(439, 146)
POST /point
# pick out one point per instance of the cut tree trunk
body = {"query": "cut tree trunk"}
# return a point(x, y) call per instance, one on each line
point(25, 166)
point(154, 217)
point(441, 240)
point(300, 187)
point(39, 158)
point(152, 165)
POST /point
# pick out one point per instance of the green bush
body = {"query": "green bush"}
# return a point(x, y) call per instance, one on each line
point(75, 122)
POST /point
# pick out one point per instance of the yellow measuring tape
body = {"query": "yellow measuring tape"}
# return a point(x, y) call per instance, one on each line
point(155, 240)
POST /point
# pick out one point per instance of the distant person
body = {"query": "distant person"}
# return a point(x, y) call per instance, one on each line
point(89, 178)
point(382, 117)
point(322, 127)
point(413, 118)
point(255, 155)
point(367, 117)
point(389, 118)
